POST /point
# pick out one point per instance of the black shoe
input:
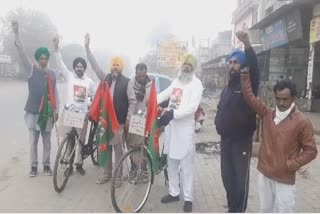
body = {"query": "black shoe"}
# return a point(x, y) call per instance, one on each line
point(47, 171)
point(80, 170)
point(33, 172)
point(187, 207)
point(169, 198)
point(70, 170)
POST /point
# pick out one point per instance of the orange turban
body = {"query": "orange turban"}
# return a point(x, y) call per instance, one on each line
point(117, 60)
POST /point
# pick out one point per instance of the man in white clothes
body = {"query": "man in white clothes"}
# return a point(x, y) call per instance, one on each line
point(184, 96)
point(79, 86)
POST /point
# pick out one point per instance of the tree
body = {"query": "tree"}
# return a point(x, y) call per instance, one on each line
point(70, 52)
point(36, 30)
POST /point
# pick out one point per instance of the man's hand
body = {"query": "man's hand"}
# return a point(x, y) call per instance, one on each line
point(166, 118)
point(15, 27)
point(244, 38)
point(160, 109)
point(87, 40)
point(55, 41)
point(126, 126)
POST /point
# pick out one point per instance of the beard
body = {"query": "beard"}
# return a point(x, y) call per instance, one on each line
point(185, 77)
point(234, 74)
point(114, 74)
point(79, 73)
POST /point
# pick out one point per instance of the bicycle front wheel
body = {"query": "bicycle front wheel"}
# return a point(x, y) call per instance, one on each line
point(62, 164)
point(93, 141)
point(95, 154)
point(131, 181)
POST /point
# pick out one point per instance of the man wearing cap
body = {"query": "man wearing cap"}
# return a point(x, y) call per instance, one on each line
point(79, 87)
point(41, 84)
point(184, 96)
point(235, 123)
point(124, 100)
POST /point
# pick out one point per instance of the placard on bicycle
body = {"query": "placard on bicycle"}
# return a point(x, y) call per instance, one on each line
point(137, 125)
point(73, 119)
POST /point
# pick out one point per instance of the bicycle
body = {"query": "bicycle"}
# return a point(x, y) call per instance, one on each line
point(135, 169)
point(66, 151)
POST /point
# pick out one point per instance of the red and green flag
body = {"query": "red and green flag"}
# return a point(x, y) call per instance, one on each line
point(47, 105)
point(102, 112)
point(152, 129)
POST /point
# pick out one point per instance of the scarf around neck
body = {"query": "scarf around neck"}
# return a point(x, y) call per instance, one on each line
point(281, 115)
point(140, 89)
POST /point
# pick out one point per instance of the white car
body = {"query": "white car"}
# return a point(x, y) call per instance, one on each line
point(162, 81)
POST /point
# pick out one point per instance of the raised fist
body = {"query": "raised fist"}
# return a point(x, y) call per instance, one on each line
point(243, 37)
point(87, 40)
point(15, 27)
point(55, 41)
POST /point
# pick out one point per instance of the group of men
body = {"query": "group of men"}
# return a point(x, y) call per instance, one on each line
point(129, 97)
point(287, 134)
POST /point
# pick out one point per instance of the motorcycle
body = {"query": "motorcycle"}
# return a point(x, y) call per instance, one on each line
point(199, 117)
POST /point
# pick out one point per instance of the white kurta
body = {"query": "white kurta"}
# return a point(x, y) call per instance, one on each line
point(184, 99)
point(78, 88)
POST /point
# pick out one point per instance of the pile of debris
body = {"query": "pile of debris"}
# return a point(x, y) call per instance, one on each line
point(209, 148)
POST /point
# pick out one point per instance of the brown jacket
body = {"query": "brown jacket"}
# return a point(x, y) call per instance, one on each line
point(285, 147)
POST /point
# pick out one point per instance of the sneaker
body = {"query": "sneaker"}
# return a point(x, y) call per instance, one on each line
point(132, 177)
point(33, 172)
point(187, 207)
point(80, 170)
point(47, 171)
point(169, 198)
point(118, 183)
point(69, 170)
point(104, 179)
point(144, 177)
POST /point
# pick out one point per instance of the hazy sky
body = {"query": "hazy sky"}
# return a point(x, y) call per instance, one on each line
point(123, 25)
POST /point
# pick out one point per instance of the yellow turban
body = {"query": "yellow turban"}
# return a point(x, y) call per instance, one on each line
point(189, 58)
point(117, 60)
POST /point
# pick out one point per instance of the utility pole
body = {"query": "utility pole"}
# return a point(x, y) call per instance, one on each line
point(204, 46)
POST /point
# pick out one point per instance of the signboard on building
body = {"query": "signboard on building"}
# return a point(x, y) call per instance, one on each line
point(293, 25)
point(310, 71)
point(169, 55)
point(315, 30)
point(274, 35)
point(5, 59)
point(316, 10)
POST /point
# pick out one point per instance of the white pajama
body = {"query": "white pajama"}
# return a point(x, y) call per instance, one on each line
point(187, 167)
point(184, 99)
point(275, 196)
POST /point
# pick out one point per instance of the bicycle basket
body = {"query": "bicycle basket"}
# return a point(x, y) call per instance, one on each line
point(137, 125)
point(73, 119)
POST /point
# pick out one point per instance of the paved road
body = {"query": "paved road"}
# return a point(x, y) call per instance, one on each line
point(19, 193)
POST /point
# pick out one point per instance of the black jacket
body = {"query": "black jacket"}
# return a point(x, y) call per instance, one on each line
point(120, 97)
point(234, 118)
